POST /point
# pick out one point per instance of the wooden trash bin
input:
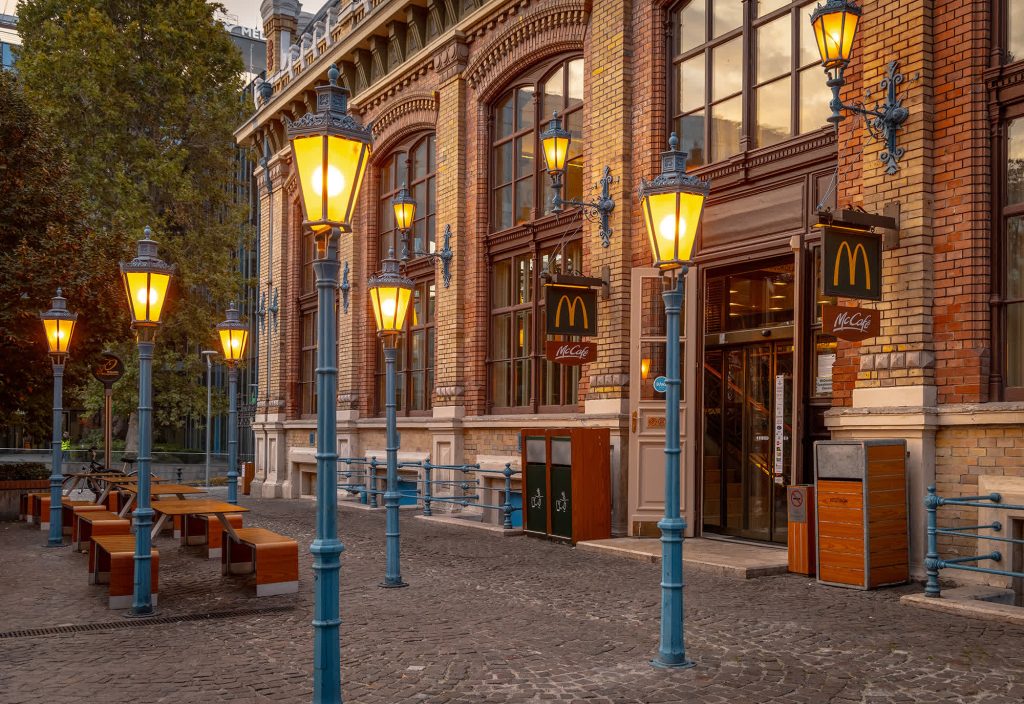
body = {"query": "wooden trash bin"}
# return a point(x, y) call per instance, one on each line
point(862, 513)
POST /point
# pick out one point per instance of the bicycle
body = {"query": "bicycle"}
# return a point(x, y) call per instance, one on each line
point(94, 467)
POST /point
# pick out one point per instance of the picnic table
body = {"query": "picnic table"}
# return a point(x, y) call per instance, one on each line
point(196, 507)
point(132, 489)
point(112, 482)
point(77, 477)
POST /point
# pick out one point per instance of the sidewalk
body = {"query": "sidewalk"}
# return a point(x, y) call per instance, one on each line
point(485, 619)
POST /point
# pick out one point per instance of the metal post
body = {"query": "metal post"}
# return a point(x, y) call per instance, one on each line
point(508, 496)
point(392, 571)
point(931, 559)
point(427, 487)
point(56, 536)
point(672, 650)
point(232, 433)
point(142, 598)
point(326, 547)
point(373, 482)
point(108, 422)
point(209, 411)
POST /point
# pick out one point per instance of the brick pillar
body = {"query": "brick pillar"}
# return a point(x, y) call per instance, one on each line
point(608, 118)
point(452, 318)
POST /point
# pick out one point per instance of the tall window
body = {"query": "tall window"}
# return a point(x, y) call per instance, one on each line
point(1014, 30)
point(519, 184)
point(414, 379)
point(718, 98)
point(307, 364)
point(412, 163)
point(1013, 258)
point(520, 376)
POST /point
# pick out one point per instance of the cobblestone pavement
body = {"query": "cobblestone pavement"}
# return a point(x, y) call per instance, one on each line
point(486, 619)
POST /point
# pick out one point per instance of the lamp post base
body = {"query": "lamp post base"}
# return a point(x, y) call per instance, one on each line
point(684, 665)
point(132, 613)
point(56, 545)
point(393, 585)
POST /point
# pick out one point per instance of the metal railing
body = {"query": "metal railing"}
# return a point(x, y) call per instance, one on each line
point(934, 562)
point(361, 476)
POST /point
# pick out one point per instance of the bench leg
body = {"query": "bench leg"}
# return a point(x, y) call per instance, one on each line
point(237, 558)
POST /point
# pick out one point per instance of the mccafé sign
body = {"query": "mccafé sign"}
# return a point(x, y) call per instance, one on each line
point(570, 310)
point(852, 324)
point(852, 263)
point(571, 353)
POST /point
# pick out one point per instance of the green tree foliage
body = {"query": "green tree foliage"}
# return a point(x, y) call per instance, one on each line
point(44, 244)
point(146, 96)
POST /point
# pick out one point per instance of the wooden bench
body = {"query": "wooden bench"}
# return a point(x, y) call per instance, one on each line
point(32, 505)
point(206, 529)
point(112, 561)
point(67, 512)
point(91, 524)
point(274, 558)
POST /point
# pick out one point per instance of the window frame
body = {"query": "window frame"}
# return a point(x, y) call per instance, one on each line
point(747, 34)
point(420, 269)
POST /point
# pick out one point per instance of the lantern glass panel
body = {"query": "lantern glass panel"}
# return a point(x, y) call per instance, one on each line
point(405, 214)
point(390, 305)
point(58, 334)
point(555, 150)
point(834, 32)
point(146, 294)
point(672, 220)
point(233, 341)
point(341, 173)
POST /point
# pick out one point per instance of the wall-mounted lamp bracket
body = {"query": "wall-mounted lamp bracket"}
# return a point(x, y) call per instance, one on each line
point(596, 210)
point(443, 255)
point(884, 119)
point(572, 281)
point(345, 287)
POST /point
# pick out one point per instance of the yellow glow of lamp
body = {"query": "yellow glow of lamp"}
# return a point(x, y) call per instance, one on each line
point(645, 368)
point(233, 336)
point(835, 25)
point(58, 323)
point(146, 282)
point(672, 205)
point(405, 209)
point(390, 293)
point(331, 151)
point(555, 142)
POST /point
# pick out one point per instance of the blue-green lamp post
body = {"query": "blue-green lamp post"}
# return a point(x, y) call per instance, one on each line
point(331, 151)
point(391, 295)
point(146, 281)
point(672, 205)
point(233, 336)
point(58, 323)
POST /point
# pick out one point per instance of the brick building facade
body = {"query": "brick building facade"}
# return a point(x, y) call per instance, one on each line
point(457, 92)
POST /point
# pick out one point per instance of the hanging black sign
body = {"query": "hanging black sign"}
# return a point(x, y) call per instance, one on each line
point(109, 369)
point(571, 311)
point(852, 264)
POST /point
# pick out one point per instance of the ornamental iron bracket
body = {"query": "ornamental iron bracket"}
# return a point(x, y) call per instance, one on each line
point(596, 210)
point(443, 255)
point(884, 120)
point(345, 288)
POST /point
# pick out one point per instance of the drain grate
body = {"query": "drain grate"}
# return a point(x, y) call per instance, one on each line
point(142, 622)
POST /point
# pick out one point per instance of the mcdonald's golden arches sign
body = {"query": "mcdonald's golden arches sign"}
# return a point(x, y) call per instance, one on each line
point(570, 310)
point(851, 263)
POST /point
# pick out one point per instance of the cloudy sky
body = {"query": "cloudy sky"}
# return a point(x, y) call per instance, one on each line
point(247, 11)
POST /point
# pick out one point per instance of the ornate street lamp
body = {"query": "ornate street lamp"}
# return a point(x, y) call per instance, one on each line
point(555, 143)
point(835, 26)
point(390, 294)
point(58, 323)
point(331, 151)
point(146, 280)
point(233, 336)
point(672, 205)
point(404, 206)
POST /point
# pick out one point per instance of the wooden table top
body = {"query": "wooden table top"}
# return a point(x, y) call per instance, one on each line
point(121, 479)
point(95, 475)
point(184, 507)
point(164, 489)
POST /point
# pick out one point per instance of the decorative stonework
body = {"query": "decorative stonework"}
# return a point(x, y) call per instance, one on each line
point(451, 59)
point(609, 383)
point(420, 109)
point(448, 393)
point(534, 35)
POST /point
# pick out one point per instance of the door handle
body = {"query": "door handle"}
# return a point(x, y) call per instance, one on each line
point(633, 423)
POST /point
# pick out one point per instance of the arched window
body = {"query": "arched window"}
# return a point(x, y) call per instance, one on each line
point(412, 163)
point(519, 184)
point(723, 103)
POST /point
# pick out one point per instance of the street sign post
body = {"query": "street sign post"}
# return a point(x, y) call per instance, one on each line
point(108, 370)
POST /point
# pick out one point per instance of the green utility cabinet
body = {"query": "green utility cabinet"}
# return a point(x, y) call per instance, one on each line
point(567, 483)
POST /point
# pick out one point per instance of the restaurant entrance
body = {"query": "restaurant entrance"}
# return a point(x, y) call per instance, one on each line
point(748, 402)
